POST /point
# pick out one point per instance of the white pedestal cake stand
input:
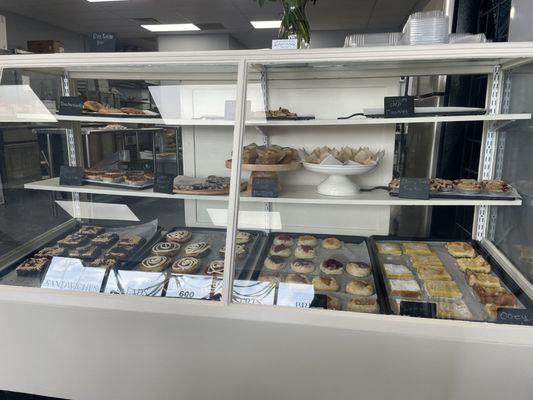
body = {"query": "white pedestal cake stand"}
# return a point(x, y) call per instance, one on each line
point(338, 183)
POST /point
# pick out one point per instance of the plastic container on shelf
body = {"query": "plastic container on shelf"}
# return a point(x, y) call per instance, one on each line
point(467, 38)
point(373, 39)
point(427, 27)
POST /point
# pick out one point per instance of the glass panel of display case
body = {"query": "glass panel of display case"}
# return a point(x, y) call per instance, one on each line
point(127, 191)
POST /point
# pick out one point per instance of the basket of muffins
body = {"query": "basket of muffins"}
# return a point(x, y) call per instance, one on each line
point(338, 268)
point(461, 188)
point(126, 179)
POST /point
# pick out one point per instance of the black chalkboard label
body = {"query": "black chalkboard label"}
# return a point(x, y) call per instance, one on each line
point(418, 309)
point(163, 183)
point(515, 316)
point(265, 187)
point(399, 107)
point(70, 176)
point(70, 105)
point(103, 41)
point(414, 188)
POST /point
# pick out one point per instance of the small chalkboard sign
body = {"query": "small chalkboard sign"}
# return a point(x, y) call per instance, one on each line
point(515, 316)
point(103, 42)
point(414, 188)
point(70, 176)
point(163, 183)
point(418, 309)
point(399, 107)
point(265, 187)
point(70, 105)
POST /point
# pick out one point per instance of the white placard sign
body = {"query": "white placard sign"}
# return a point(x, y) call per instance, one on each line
point(69, 274)
point(136, 283)
point(253, 292)
point(284, 44)
point(295, 295)
point(190, 287)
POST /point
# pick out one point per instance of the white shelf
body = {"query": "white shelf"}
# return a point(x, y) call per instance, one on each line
point(384, 121)
point(296, 194)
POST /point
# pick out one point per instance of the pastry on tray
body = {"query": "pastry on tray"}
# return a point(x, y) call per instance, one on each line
point(243, 237)
point(440, 185)
point(431, 261)
point(105, 239)
point(401, 288)
point(85, 253)
point(32, 266)
point(297, 278)
point(49, 252)
point(307, 240)
point(181, 236)
point(391, 249)
point(461, 249)
point(429, 274)
point(333, 303)
point(154, 263)
point(280, 250)
point(332, 266)
point(344, 156)
point(186, 265)
point(331, 243)
point(103, 263)
point(133, 240)
point(394, 184)
point(467, 186)
point(305, 252)
point(495, 295)
point(136, 180)
point(92, 106)
point(270, 277)
point(215, 268)
point(396, 271)
point(302, 266)
point(283, 239)
point(93, 174)
point(120, 253)
point(240, 251)
point(275, 263)
point(358, 269)
point(91, 231)
point(496, 186)
point(73, 240)
point(325, 284)
point(418, 248)
point(443, 290)
point(114, 176)
point(131, 110)
point(210, 184)
point(168, 249)
point(477, 264)
point(481, 279)
point(362, 305)
point(199, 249)
point(453, 310)
point(360, 288)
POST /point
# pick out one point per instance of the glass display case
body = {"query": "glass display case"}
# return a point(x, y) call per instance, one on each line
point(263, 179)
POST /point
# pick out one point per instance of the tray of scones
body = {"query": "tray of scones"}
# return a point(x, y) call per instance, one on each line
point(456, 276)
point(337, 270)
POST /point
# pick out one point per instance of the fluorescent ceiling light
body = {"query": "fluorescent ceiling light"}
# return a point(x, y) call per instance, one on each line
point(265, 24)
point(171, 27)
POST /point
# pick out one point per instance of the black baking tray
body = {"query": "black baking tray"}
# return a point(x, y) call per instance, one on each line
point(318, 301)
point(118, 185)
point(8, 275)
point(496, 267)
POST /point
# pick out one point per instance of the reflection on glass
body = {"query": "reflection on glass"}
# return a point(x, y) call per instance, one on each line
point(87, 210)
point(69, 274)
point(191, 287)
point(247, 219)
point(136, 283)
point(18, 103)
point(252, 292)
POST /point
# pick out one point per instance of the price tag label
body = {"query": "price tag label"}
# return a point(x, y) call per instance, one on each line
point(253, 292)
point(418, 309)
point(265, 187)
point(284, 44)
point(414, 188)
point(69, 274)
point(135, 283)
point(103, 42)
point(515, 316)
point(70, 105)
point(399, 106)
point(164, 183)
point(190, 287)
point(70, 176)
point(295, 295)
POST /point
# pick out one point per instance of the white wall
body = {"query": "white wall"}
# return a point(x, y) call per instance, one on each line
point(21, 29)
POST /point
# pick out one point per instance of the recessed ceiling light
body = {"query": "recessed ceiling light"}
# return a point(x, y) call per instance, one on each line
point(171, 27)
point(265, 24)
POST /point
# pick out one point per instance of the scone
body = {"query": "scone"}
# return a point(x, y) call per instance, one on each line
point(419, 248)
point(487, 280)
point(461, 249)
point(429, 274)
point(305, 252)
point(443, 290)
point(283, 239)
point(325, 284)
point(392, 249)
point(478, 264)
point(280, 250)
point(332, 267)
point(331, 243)
point(297, 278)
point(360, 288)
point(302, 266)
point(363, 305)
point(307, 240)
point(453, 310)
point(400, 288)
point(358, 269)
point(396, 271)
point(275, 263)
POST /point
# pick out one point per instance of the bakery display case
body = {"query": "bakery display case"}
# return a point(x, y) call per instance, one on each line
point(262, 187)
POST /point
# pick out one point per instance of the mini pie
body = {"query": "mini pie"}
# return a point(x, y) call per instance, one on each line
point(307, 240)
point(429, 274)
point(275, 263)
point(453, 310)
point(280, 250)
point(302, 266)
point(358, 269)
point(476, 278)
point(478, 264)
point(363, 305)
point(360, 288)
point(333, 303)
point(297, 278)
point(332, 267)
point(443, 290)
point(325, 283)
point(461, 250)
point(396, 271)
point(400, 288)
point(283, 239)
point(305, 252)
point(416, 248)
point(467, 185)
point(331, 243)
point(392, 249)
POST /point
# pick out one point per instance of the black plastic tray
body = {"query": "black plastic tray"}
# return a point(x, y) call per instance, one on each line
point(118, 185)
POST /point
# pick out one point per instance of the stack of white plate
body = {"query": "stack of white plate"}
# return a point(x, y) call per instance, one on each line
point(427, 27)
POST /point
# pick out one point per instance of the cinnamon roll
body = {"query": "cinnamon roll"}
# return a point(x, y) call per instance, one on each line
point(179, 236)
point(154, 263)
point(166, 249)
point(199, 249)
point(216, 268)
point(185, 265)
